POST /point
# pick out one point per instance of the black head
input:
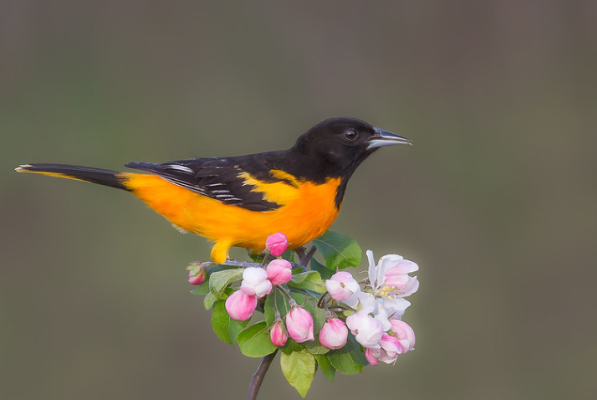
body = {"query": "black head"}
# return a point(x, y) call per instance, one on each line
point(337, 146)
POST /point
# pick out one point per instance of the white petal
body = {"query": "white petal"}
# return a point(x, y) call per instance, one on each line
point(411, 287)
point(366, 300)
point(386, 262)
point(396, 307)
point(372, 269)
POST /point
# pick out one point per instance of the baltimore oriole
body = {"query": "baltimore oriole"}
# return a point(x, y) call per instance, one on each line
point(240, 201)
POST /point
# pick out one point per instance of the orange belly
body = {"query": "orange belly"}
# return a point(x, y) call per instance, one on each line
point(307, 210)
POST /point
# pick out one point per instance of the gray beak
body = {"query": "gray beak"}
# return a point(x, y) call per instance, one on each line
point(385, 138)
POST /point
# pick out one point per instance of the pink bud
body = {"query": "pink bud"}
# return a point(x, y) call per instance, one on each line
point(241, 306)
point(372, 355)
point(390, 347)
point(300, 324)
point(255, 282)
point(367, 330)
point(387, 352)
point(278, 334)
point(276, 244)
point(196, 274)
point(279, 272)
point(405, 335)
point(333, 334)
point(342, 285)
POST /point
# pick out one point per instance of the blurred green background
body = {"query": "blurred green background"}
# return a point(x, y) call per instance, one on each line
point(496, 201)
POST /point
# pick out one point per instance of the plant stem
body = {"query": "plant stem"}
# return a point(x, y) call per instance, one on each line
point(304, 258)
point(259, 375)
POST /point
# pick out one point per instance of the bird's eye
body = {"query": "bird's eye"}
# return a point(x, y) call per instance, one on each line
point(351, 134)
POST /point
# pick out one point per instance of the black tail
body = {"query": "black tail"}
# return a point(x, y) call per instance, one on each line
point(94, 175)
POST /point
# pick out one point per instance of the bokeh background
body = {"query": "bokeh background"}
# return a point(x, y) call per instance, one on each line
point(497, 200)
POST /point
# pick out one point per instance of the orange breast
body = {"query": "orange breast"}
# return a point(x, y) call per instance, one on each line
point(307, 210)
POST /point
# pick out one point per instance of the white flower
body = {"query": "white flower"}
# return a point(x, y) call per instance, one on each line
point(390, 283)
point(255, 282)
point(342, 285)
point(367, 331)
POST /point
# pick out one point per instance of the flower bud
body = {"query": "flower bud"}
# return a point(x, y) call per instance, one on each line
point(367, 330)
point(278, 334)
point(276, 244)
point(241, 306)
point(279, 272)
point(197, 274)
point(372, 355)
point(255, 282)
point(342, 285)
point(299, 323)
point(333, 334)
point(390, 347)
point(387, 352)
point(405, 335)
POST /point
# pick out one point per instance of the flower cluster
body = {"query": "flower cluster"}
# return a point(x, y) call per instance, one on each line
point(377, 324)
point(258, 282)
point(319, 315)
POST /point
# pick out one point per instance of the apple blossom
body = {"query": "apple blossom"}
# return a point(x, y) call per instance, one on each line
point(240, 306)
point(333, 334)
point(279, 272)
point(367, 330)
point(299, 323)
point(389, 278)
point(197, 274)
point(278, 334)
point(342, 285)
point(255, 282)
point(276, 244)
point(372, 355)
point(405, 335)
point(386, 299)
point(389, 348)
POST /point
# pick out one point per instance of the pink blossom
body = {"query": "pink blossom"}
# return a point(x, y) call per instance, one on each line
point(333, 334)
point(367, 330)
point(405, 335)
point(389, 278)
point(255, 282)
point(197, 274)
point(299, 323)
point(372, 356)
point(241, 306)
point(278, 334)
point(276, 244)
point(342, 285)
point(387, 352)
point(279, 272)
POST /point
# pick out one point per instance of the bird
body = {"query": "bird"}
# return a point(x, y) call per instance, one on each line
point(239, 201)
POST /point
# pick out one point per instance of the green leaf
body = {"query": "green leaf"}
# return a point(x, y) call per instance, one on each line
point(319, 318)
point(201, 290)
point(255, 341)
point(270, 312)
point(324, 271)
point(299, 368)
point(310, 280)
point(326, 367)
point(292, 346)
point(288, 255)
point(350, 359)
point(338, 251)
point(225, 327)
point(219, 281)
point(209, 300)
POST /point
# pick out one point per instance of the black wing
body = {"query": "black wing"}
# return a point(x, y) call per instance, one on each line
point(219, 178)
